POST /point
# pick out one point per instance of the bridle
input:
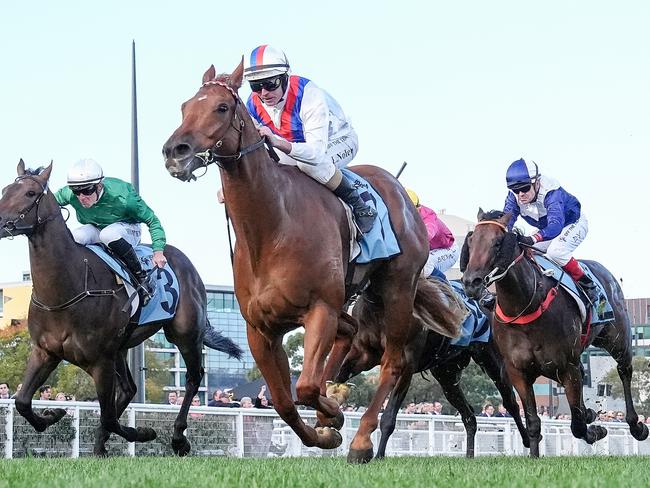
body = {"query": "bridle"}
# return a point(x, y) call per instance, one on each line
point(495, 276)
point(11, 226)
point(211, 154)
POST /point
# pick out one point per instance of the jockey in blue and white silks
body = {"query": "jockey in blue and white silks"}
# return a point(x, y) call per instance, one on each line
point(555, 212)
point(305, 124)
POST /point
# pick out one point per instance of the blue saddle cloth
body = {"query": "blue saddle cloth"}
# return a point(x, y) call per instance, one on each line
point(476, 327)
point(380, 242)
point(162, 305)
point(603, 311)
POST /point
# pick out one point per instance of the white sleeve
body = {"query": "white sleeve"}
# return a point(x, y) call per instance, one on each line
point(315, 117)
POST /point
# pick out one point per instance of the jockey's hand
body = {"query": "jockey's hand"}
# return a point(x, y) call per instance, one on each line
point(274, 140)
point(220, 197)
point(159, 259)
point(266, 132)
point(526, 240)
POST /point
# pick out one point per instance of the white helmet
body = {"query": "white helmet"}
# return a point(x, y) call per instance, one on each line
point(265, 62)
point(85, 172)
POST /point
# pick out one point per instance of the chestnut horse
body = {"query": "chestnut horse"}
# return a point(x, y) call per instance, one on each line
point(291, 258)
point(549, 345)
point(76, 315)
point(428, 350)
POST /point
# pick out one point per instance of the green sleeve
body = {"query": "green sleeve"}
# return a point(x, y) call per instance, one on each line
point(63, 196)
point(142, 213)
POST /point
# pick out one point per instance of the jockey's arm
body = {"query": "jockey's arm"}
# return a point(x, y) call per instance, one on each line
point(554, 203)
point(141, 212)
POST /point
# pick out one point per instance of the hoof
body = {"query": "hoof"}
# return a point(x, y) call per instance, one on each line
point(333, 422)
point(328, 438)
point(590, 416)
point(359, 456)
point(181, 447)
point(639, 431)
point(595, 433)
point(100, 452)
point(53, 415)
point(145, 434)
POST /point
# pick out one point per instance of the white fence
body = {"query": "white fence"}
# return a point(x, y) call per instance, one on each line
point(236, 432)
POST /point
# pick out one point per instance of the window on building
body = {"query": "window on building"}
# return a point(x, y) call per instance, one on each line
point(2, 301)
point(27, 276)
point(604, 389)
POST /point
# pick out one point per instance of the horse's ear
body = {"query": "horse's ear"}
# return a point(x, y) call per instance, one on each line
point(480, 214)
point(505, 218)
point(210, 74)
point(237, 76)
point(464, 253)
point(45, 174)
point(20, 169)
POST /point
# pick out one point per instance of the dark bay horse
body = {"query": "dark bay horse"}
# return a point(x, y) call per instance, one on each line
point(428, 350)
point(76, 315)
point(550, 345)
point(291, 258)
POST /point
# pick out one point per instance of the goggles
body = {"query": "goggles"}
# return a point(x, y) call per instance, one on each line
point(268, 84)
point(521, 189)
point(84, 190)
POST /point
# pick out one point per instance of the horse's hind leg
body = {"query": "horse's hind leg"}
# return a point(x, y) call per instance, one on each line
point(191, 353)
point(572, 381)
point(490, 361)
point(274, 366)
point(389, 417)
point(103, 374)
point(448, 376)
point(320, 331)
point(126, 389)
point(39, 367)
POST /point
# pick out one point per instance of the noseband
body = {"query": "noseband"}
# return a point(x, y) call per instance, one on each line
point(10, 226)
point(210, 155)
point(494, 275)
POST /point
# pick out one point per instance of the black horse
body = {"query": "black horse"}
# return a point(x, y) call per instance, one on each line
point(427, 350)
point(76, 315)
point(550, 343)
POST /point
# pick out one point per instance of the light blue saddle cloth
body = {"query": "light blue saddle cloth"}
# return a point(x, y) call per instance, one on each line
point(162, 305)
point(380, 242)
point(476, 327)
point(602, 312)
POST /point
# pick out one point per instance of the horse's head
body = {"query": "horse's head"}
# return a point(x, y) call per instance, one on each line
point(212, 126)
point(487, 252)
point(20, 201)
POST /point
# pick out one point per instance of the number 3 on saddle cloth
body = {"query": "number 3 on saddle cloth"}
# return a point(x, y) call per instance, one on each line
point(162, 305)
point(600, 312)
point(380, 242)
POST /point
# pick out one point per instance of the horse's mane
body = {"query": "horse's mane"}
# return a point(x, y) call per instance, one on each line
point(223, 78)
point(34, 172)
point(492, 215)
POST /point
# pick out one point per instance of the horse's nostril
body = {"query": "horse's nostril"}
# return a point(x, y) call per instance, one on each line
point(181, 151)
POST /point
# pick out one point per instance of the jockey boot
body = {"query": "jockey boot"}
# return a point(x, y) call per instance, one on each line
point(126, 253)
point(364, 215)
point(590, 289)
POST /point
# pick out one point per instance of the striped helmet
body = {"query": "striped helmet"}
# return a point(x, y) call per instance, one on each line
point(521, 172)
point(85, 172)
point(265, 62)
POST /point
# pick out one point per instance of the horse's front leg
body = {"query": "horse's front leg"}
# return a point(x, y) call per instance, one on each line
point(527, 394)
point(272, 360)
point(320, 331)
point(572, 380)
point(126, 390)
point(104, 376)
point(39, 367)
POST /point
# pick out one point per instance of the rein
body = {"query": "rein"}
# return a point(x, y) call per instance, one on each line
point(493, 277)
point(76, 299)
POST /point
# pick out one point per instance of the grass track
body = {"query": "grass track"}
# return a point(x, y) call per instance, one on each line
point(314, 472)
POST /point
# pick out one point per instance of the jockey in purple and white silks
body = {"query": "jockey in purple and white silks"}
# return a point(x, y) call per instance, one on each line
point(305, 124)
point(544, 204)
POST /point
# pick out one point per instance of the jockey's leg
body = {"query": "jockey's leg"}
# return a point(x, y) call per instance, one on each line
point(121, 239)
point(86, 234)
point(439, 261)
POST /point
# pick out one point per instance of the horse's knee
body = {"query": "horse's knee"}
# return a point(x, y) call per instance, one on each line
point(110, 425)
point(307, 393)
point(23, 405)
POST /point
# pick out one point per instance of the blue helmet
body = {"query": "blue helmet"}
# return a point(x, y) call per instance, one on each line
point(521, 173)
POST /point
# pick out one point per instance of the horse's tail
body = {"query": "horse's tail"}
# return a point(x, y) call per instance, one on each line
point(438, 308)
point(215, 340)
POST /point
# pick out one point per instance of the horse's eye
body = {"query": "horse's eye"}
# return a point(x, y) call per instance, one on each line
point(31, 194)
point(222, 108)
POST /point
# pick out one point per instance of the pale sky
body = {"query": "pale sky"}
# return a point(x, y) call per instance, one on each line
point(456, 89)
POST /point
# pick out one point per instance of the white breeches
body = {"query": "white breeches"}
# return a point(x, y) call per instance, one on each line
point(561, 248)
point(339, 153)
point(440, 259)
point(89, 234)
